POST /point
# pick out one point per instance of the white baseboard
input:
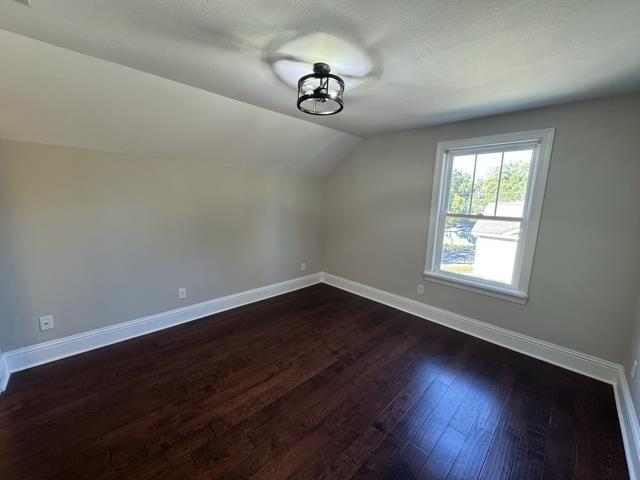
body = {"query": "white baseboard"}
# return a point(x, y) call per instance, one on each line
point(628, 425)
point(579, 362)
point(549, 352)
point(4, 373)
point(38, 354)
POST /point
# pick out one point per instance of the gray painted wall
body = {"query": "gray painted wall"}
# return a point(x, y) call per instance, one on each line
point(97, 238)
point(585, 274)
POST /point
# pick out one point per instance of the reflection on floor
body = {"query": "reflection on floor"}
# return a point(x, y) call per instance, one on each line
point(318, 383)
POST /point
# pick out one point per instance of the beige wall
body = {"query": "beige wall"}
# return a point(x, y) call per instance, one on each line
point(585, 274)
point(96, 238)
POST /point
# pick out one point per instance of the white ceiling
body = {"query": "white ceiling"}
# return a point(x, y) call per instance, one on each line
point(430, 61)
point(55, 96)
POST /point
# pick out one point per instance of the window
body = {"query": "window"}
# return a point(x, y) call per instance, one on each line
point(485, 210)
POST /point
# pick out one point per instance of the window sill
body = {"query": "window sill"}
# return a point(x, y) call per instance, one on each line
point(471, 286)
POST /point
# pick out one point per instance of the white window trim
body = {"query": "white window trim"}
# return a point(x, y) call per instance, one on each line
point(530, 217)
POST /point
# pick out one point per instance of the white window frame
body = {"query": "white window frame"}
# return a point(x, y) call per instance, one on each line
point(518, 291)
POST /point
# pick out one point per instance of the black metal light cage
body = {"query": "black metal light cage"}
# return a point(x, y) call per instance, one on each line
point(320, 92)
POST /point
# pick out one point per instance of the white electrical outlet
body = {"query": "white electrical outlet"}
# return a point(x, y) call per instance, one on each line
point(46, 322)
point(182, 293)
point(420, 289)
point(633, 369)
point(303, 266)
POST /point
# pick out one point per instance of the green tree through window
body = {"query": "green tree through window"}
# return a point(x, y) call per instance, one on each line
point(512, 182)
point(513, 186)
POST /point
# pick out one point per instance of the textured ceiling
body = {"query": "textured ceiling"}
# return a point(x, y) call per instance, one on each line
point(56, 96)
point(424, 61)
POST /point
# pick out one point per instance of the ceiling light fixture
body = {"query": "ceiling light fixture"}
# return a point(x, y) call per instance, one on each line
point(320, 92)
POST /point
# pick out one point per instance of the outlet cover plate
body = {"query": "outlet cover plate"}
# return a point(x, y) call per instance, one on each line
point(46, 322)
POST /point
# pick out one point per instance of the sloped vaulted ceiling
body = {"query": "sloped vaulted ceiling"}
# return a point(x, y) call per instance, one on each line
point(413, 62)
point(407, 64)
point(56, 96)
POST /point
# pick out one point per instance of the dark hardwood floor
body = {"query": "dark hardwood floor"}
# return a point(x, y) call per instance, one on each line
point(315, 384)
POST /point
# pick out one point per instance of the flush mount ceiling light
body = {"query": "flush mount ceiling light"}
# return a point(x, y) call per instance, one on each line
point(320, 92)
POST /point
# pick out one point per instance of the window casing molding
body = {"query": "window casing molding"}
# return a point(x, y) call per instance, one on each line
point(542, 142)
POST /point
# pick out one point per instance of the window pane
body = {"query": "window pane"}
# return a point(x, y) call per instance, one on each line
point(460, 188)
point(484, 249)
point(485, 187)
point(513, 183)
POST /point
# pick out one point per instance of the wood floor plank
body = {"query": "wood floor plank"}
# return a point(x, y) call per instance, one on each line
point(529, 461)
point(342, 459)
point(352, 402)
point(443, 456)
point(409, 464)
point(472, 405)
point(314, 384)
point(435, 425)
point(311, 401)
point(382, 461)
point(501, 457)
point(472, 455)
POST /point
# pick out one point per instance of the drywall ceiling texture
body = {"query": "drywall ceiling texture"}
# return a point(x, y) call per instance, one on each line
point(411, 63)
point(585, 277)
point(56, 96)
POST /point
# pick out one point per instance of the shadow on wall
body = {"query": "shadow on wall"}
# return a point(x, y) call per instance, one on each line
point(13, 287)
